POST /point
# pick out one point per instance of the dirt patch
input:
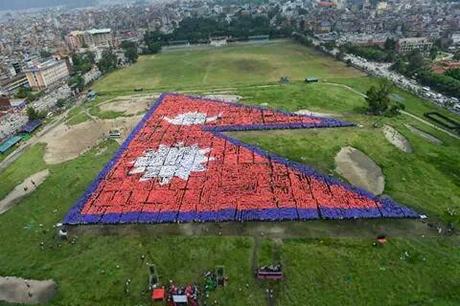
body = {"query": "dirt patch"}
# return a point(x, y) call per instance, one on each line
point(128, 106)
point(360, 170)
point(68, 142)
point(424, 134)
point(226, 98)
point(316, 114)
point(24, 291)
point(397, 139)
point(27, 186)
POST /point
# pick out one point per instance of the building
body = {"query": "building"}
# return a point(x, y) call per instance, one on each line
point(218, 41)
point(407, 45)
point(91, 38)
point(75, 40)
point(340, 4)
point(46, 74)
point(5, 103)
point(100, 38)
point(455, 37)
point(11, 84)
point(442, 66)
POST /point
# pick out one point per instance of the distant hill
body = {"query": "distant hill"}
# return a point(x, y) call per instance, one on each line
point(28, 4)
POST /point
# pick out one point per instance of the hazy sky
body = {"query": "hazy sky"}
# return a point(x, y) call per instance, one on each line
point(25, 4)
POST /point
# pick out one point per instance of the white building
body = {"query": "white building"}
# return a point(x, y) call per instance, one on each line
point(407, 45)
point(91, 38)
point(46, 74)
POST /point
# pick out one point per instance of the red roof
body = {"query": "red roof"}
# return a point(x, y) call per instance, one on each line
point(326, 4)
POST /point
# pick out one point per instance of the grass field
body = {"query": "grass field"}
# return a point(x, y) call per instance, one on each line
point(225, 67)
point(325, 270)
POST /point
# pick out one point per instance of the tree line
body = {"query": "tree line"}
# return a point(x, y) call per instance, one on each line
point(201, 29)
point(414, 65)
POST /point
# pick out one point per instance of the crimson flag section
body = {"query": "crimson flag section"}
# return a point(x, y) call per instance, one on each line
point(178, 166)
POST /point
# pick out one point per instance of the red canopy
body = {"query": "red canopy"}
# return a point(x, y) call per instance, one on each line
point(158, 294)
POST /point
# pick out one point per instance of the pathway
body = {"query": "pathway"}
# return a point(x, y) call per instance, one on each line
point(401, 111)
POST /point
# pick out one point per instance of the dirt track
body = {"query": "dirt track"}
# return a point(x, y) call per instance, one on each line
point(27, 186)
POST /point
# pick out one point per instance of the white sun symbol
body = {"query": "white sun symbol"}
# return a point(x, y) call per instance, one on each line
point(170, 161)
point(192, 118)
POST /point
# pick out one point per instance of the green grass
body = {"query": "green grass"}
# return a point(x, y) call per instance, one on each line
point(97, 112)
point(224, 67)
point(330, 271)
point(78, 118)
point(407, 175)
point(87, 271)
point(29, 163)
point(353, 272)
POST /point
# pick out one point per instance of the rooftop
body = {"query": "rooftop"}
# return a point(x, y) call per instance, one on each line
point(99, 31)
point(44, 65)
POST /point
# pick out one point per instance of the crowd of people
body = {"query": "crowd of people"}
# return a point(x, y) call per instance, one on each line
point(190, 292)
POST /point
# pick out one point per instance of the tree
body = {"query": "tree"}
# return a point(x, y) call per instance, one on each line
point(339, 55)
point(45, 53)
point(26, 93)
point(131, 55)
point(379, 102)
point(77, 81)
point(60, 103)
point(108, 61)
point(130, 50)
point(416, 62)
point(457, 56)
point(91, 57)
point(434, 52)
point(453, 73)
point(32, 114)
point(22, 92)
point(390, 44)
point(399, 66)
point(154, 47)
point(83, 62)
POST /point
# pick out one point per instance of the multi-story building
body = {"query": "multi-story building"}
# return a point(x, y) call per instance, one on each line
point(5, 103)
point(101, 38)
point(90, 38)
point(46, 74)
point(407, 45)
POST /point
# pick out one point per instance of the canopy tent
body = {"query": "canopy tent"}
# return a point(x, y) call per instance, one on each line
point(9, 143)
point(158, 294)
point(31, 126)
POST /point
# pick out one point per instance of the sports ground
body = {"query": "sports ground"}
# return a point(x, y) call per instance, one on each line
point(326, 261)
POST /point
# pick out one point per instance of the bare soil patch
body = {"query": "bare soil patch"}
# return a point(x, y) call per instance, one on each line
point(397, 139)
point(128, 105)
point(423, 134)
point(25, 291)
point(27, 186)
point(225, 97)
point(360, 170)
point(68, 142)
